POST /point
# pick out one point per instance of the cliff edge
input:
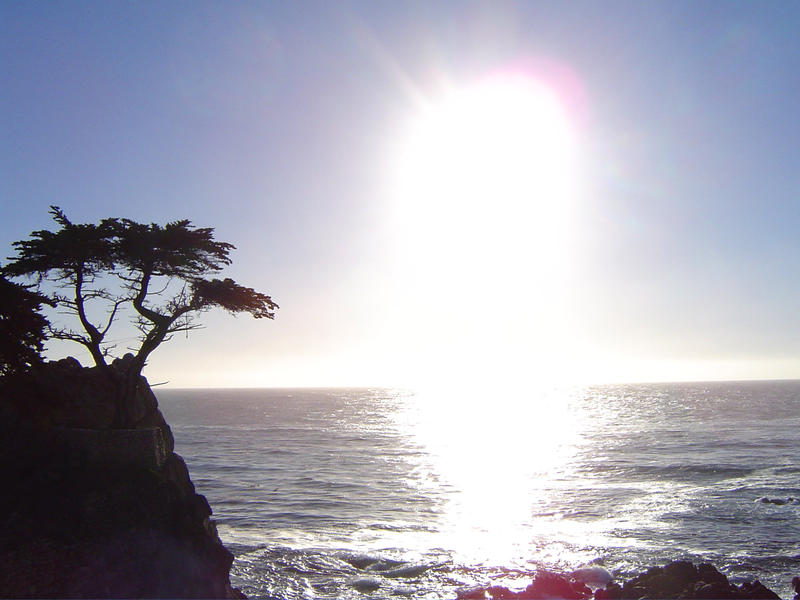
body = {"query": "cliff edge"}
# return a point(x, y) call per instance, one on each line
point(95, 502)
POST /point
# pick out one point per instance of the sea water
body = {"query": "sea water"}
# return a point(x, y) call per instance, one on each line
point(380, 493)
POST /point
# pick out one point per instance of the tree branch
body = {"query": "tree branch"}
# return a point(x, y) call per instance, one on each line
point(113, 314)
point(138, 301)
point(95, 336)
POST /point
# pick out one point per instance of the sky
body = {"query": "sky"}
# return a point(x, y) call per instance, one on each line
point(433, 191)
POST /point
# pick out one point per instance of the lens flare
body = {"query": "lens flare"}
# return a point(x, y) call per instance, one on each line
point(481, 186)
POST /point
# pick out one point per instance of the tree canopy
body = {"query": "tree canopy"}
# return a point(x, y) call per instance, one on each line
point(160, 273)
point(22, 328)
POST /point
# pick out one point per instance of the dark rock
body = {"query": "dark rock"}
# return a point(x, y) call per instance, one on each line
point(708, 573)
point(202, 508)
point(796, 587)
point(406, 571)
point(123, 362)
point(70, 363)
point(544, 585)
point(365, 585)
point(677, 580)
point(613, 591)
point(593, 576)
point(681, 579)
point(755, 590)
point(498, 592)
point(551, 585)
point(74, 524)
point(151, 416)
point(776, 501)
point(176, 472)
point(79, 398)
point(779, 501)
point(712, 591)
point(477, 593)
point(360, 561)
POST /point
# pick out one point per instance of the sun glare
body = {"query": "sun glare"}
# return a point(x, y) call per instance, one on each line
point(482, 184)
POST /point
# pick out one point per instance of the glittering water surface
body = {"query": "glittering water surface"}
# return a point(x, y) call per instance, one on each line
point(374, 493)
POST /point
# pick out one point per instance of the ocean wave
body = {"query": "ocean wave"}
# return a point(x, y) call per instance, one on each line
point(689, 473)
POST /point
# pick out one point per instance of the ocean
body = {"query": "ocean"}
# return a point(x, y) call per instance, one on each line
point(381, 493)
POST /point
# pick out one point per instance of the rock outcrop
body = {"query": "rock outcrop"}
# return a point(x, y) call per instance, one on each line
point(677, 580)
point(544, 585)
point(682, 579)
point(94, 502)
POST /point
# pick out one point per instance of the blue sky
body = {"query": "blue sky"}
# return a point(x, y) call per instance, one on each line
point(275, 123)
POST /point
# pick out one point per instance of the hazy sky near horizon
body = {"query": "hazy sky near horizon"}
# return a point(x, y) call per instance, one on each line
point(675, 254)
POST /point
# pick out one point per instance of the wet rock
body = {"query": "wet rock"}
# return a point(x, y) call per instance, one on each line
point(779, 501)
point(708, 573)
point(671, 581)
point(497, 592)
point(406, 572)
point(796, 587)
point(678, 580)
point(593, 576)
point(360, 561)
point(475, 593)
point(365, 584)
point(384, 564)
point(755, 590)
point(612, 591)
point(551, 585)
point(682, 579)
point(711, 590)
point(545, 585)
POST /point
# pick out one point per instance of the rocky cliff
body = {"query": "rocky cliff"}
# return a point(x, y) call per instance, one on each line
point(94, 505)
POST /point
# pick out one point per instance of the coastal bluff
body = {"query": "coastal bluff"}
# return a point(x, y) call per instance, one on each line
point(95, 503)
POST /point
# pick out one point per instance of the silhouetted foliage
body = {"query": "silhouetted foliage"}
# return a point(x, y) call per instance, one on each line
point(157, 271)
point(22, 328)
point(229, 295)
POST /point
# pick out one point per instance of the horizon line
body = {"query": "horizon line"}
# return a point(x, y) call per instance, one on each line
point(412, 388)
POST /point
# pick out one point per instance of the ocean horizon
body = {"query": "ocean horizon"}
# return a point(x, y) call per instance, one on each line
point(378, 492)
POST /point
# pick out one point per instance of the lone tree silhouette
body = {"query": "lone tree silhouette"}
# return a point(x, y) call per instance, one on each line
point(157, 271)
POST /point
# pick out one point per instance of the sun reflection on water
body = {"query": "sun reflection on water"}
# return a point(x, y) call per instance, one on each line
point(497, 456)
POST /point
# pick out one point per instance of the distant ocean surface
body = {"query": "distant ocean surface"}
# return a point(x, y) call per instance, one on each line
point(379, 493)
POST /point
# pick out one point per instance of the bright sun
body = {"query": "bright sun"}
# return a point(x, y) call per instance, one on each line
point(482, 184)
